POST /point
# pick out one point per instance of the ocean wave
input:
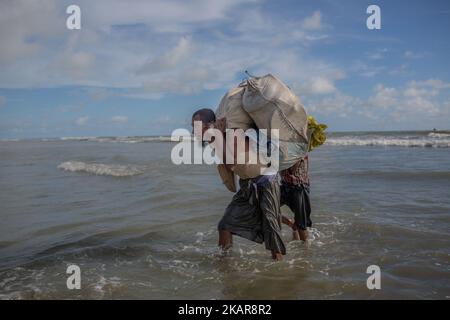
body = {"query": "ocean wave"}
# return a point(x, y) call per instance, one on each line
point(10, 140)
point(439, 135)
point(136, 139)
point(390, 141)
point(77, 138)
point(439, 139)
point(101, 169)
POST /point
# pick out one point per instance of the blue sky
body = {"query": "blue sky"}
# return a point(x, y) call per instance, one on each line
point(142, 67)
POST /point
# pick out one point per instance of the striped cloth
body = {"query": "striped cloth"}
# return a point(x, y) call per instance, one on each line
point(297, 174)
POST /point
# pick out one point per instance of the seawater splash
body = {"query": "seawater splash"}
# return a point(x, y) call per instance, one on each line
point(101, 169)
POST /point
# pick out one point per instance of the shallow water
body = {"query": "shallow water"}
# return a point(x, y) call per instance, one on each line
point(141, 227)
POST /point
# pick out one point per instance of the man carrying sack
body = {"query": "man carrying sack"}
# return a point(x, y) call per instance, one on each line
point(254, 212)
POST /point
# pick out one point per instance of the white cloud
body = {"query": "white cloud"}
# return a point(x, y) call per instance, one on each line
point(431, 83)
point(98, 54)
point(119, 119)
point(306, 76)
point(413, 91)
point(366, 70)
point(82, 121)
point(385, 97)
point(75, 65)
point(403, 69)
point(424, 101)
point(162, 15)
point(419, 105)
point(415, 99)
point(322, 86)
point(377, 54)
point(170, 59)
point(21, 21)
point(317, 86)
point(160, 38)
point(313, 22)
point(339, 104)
point(100, 94)
point(414, 55)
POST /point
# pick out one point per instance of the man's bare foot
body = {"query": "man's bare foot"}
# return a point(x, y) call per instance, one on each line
point(226, 248)
point(291, 223)
point(303, 234)
point(295, 235)
point(225, 240)
point(277, 256)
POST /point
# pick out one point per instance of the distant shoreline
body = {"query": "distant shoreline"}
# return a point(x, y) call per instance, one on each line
point(445, 131)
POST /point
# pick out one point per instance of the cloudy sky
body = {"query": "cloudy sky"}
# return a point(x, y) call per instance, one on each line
point(142, 67)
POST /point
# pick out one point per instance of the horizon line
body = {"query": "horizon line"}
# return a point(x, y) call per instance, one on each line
point(168, 135)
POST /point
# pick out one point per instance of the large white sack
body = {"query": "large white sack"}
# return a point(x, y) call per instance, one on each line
point(272, 105)
point(231, 108)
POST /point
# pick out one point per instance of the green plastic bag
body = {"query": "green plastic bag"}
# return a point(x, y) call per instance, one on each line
point(318, 136)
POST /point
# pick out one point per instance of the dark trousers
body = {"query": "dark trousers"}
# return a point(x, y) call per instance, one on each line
point(296, 197)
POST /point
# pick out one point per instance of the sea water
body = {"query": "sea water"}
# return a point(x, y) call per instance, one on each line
point(141, 227)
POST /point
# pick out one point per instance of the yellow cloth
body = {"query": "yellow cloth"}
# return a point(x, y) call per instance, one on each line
point(318, 136)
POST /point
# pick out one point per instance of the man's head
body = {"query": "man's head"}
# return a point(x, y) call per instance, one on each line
point(207, 118)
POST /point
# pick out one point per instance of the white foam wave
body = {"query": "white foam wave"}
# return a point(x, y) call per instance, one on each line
point(101, 169)
point(10, 140)
point(390, 141)
point(108, 285)
point(118, 139)
point(142, 139)
point(439, 135)
point(77, 138)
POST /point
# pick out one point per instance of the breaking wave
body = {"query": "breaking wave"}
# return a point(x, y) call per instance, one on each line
point(9, 140)
point(119, 139)
point(439, 135)
point(437, 139)
point(432, 140)
point(101, 169)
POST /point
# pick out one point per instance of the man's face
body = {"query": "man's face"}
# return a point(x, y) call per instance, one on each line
point(205, 127)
